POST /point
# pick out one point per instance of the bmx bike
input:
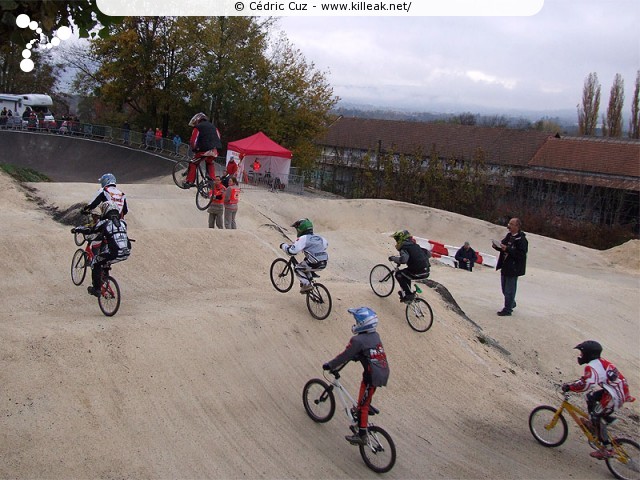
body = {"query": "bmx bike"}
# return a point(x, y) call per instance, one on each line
point(418, 312)
point(549, 427)
point(319, 400)
point(203, 182)
point(109, 296)
point(318, 298)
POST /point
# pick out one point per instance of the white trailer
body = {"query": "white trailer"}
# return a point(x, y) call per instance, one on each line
point(21, 105)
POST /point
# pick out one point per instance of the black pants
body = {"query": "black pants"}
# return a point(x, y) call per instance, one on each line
point(98, 265)
point(404, 278)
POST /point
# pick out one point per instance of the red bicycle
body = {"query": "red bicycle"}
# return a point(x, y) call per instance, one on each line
point(109, 298)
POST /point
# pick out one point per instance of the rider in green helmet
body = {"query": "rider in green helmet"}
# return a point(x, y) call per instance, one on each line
point(417, 261)
point(315, 252)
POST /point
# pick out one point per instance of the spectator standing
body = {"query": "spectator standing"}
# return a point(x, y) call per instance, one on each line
point(126, 130)
point(231, 196)
point(216, 209)
point(466, 257)
point(149, 138)
point(3, 117)
point(177, 141)
point(158, 136)
point(512, 263)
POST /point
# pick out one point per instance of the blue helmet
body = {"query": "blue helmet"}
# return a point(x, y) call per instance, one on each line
point(107, 179)
point(366, 320)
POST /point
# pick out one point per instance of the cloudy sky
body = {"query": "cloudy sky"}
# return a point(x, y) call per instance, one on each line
point(534, 63)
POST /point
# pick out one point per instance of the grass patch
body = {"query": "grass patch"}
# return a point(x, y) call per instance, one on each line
point(24, 174)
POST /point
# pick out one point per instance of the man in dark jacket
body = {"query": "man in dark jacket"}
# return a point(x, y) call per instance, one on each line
point(417, 261)
point(466, 257)
point(364, 347)
point(512, 263)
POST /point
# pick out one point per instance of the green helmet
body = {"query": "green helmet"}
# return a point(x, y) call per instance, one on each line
point(303, 226)
point(400, 236)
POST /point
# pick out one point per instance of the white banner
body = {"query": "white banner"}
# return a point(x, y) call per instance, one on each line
point(316, 8)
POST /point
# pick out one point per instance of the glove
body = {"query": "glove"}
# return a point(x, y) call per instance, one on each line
point(85, 209)
point(565, 387)
point(393, 259)
point(325, 366)
point(283, 246)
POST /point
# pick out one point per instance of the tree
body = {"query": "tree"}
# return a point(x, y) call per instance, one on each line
point(634, 122)
point(465, 118)
point(612, 123)
point(588, 112)
point(165, 69)
point(51, 15)
point(43, 78)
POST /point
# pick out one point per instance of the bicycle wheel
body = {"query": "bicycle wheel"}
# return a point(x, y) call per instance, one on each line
point(382, 280)
point(281, 275)
point(318, 400)
point(419, 315)
point(203, 195)
point(180, 173)
point(319, 302)
point(379, 454)
point(79, 238)
point(109, 299)
point(626, 464)
point(543, 430)
point(79, 265)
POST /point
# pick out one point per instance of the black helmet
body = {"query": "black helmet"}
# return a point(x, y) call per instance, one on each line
point(589, 350)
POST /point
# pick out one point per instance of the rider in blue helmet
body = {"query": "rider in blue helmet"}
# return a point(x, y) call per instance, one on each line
point(364, 347)
point(108, 192)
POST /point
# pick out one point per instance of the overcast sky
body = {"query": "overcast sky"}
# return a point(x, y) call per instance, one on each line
point(465, 63)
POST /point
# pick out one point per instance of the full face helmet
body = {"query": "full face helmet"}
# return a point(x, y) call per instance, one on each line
point(303, 227)
point(108, 207)
point(197, 118)
point(400, 236)
point(366, 320)
point(589, 350)
point(107, 179)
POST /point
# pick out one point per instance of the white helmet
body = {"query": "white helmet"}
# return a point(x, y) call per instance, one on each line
point(366, 320)
point(107, 179)
point(196, 119)
point(107, 207)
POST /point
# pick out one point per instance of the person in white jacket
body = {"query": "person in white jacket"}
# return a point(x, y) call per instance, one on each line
point(315, 252)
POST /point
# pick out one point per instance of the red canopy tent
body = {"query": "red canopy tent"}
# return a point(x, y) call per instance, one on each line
point(274, 159)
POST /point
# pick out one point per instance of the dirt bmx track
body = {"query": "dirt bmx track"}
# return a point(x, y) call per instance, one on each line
point(200, 373)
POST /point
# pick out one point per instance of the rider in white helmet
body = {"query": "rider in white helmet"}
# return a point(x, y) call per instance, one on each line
point(115, 245)
point(109, 192)
point(364, 347)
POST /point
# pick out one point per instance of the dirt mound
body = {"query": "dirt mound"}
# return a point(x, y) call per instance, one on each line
point(200, 373)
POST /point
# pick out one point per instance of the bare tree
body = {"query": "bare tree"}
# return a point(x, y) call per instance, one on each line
point(634, 123)
point(588, 111)
point(612, 123)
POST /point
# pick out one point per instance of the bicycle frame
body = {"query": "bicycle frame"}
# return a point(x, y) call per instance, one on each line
point(347, 401)
point(576, 413)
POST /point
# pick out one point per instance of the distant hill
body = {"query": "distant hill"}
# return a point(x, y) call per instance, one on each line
point(514, 119)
